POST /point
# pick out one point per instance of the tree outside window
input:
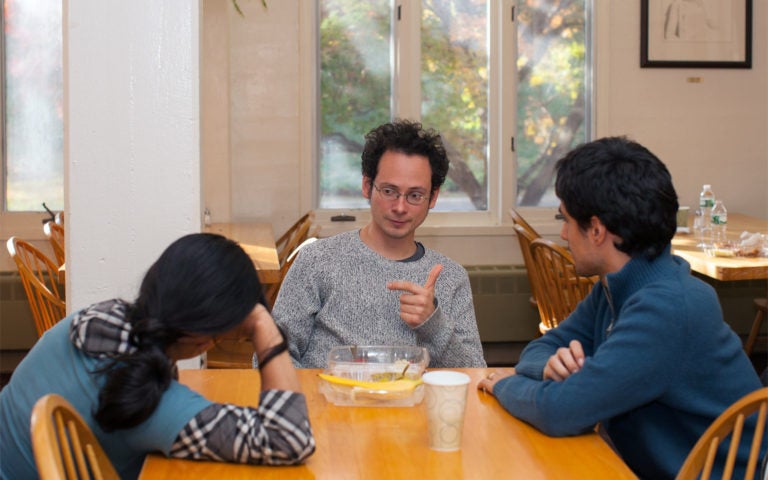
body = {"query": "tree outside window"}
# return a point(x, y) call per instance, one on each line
point(364, 49)
point(32, 105)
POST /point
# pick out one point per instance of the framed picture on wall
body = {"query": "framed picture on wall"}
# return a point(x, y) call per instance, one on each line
point(696, 33)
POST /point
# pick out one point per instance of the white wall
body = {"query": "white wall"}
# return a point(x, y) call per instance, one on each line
point(132, 140)
point(708, 132)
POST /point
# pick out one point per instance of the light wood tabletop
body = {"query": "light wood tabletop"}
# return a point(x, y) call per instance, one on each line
point(391, 442)
point(725, 268)
point(258, 241)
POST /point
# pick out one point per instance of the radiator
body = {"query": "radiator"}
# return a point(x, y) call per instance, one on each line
point(503, 312)
point(17, 329)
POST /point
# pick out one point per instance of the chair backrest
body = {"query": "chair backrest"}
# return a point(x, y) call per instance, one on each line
point(39, 276)
point(273, 289)
point(525, 238)
point(64, 445)
point(730, 423)
point(560, 288)
point(296, 233)
point(519, 220)
point(55, 234)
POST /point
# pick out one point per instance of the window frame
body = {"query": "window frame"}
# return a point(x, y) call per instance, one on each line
point(28, 224)
point(502, 184)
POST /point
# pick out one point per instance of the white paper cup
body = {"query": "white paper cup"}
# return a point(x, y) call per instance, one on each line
point(445, 399)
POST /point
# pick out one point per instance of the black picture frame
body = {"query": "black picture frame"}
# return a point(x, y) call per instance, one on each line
point(718, 38)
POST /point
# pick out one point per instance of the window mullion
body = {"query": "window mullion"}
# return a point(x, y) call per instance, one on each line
point(406, 81)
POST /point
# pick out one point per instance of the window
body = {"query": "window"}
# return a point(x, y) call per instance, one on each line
point(464, 68)
point(32, 121)
point(554, 92)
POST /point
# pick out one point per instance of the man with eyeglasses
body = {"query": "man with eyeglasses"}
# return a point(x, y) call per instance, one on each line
point(378, 285)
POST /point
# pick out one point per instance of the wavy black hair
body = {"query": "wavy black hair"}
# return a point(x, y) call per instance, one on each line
point(624, 185)
point(410, 138)
point(202, 283)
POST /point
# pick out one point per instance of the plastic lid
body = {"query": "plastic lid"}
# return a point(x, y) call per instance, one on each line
point(706, 186)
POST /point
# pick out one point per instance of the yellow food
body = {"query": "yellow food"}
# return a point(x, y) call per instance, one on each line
point(402, 385)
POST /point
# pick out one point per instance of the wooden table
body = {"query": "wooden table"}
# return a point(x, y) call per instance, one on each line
point(258, 241)
point(391, 443)
point(720, 268)
point(256, 238)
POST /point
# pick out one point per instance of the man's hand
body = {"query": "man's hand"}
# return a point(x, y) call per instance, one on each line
point(417, 303)
point(565, 362)
point(486, 384)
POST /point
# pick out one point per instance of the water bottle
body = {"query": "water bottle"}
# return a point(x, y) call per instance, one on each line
point(207, 218)
point(706, 202)
point(719, 223)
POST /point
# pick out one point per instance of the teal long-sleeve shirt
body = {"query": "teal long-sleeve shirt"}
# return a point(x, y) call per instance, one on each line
point(661, 365)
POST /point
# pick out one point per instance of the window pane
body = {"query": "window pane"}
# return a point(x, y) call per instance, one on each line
point(33, 127)
point(454, 88)
point(552, 97)
point(355, 92)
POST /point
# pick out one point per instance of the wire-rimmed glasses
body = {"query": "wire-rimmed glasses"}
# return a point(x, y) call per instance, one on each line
point(392, 194)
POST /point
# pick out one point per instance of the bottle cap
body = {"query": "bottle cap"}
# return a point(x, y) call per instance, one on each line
point(706, 186)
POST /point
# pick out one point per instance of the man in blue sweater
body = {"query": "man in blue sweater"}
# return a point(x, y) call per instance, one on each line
point(647, 354)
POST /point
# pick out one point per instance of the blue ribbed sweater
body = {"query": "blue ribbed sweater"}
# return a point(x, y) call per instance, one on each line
point(661, 366)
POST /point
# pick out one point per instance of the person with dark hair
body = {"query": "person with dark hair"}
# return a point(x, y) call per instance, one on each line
point(378, 285)
point(647, 355)
point(115, 363)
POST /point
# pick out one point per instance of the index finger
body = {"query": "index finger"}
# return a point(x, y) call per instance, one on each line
point(577, 351)
point(432, 277)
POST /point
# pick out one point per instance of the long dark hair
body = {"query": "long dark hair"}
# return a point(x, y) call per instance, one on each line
point(202, 283)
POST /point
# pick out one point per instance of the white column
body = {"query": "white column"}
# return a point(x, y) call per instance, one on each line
point(132, 139)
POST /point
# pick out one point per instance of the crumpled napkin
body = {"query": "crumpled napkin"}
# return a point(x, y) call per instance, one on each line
point(751, 245)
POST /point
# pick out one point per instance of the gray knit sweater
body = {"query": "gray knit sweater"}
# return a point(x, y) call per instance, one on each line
point(335, 293)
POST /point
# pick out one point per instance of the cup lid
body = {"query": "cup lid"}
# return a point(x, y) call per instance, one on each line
point(448, 378)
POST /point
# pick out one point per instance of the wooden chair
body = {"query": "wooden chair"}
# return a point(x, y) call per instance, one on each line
point(64, 446)
point(519, 220)
point(231, 353)
point(291, 238)
point(271, 290)
point(55, 234)
point(238, 352)
point(525, 238)
point(560, 289)
point(525, 235)
point(39, 276)
point(730, 423)
point(761, 304)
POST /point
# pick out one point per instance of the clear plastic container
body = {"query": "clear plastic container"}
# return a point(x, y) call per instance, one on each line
point(392, 373)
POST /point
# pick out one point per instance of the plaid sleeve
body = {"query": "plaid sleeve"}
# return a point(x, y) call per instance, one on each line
point(275, 433)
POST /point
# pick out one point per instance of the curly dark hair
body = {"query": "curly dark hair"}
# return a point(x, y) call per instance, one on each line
point(406, 137)
point(624, 185)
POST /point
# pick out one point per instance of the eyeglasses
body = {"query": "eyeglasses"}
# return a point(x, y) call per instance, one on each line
point(391, 194)
point(559, 216)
